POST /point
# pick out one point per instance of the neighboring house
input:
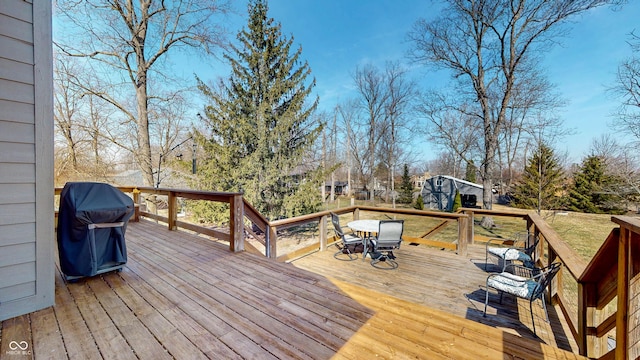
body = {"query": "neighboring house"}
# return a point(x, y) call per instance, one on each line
point(27, 236)
point(438, 192)
point(418, 180)
point(341, 187)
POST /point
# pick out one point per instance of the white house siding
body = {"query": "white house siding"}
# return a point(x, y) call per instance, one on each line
point(26, 158)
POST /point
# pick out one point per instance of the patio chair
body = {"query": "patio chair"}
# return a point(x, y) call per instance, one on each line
point(524, 287)
point(519, 248)
point(348, 244)
point(389, 238)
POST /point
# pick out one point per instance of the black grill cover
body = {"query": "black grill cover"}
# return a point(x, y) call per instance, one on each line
point(84, 251)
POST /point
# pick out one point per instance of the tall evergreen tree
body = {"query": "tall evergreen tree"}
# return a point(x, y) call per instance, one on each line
point(260, 121)
point(406, 187)
point(471, 171)
point(588, 193)
point(541, 185)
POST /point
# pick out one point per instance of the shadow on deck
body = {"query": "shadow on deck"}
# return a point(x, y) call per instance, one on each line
point(183, 296)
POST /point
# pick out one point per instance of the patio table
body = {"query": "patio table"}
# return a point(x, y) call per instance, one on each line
point(367, 227)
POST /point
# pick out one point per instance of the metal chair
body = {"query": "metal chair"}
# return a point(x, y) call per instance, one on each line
point(348, 242)
point(520, 248)
point(389, 238)
point(530, 288)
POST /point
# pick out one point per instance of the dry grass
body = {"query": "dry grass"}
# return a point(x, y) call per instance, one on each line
point(585, 233)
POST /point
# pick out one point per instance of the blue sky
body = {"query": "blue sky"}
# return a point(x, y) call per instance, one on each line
point(338, 35)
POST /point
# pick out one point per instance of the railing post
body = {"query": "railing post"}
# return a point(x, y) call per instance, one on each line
point(622, 318)
point(470, 230)
point(323, 232)
point(273, 241)
point(172, 216)
point(462, 235)
point(236, 226)
point(586, 340)
point(136, 205)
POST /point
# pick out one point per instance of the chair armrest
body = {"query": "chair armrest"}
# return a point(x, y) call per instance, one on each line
point(507, 279)
point(500, 242)
point(523, 271)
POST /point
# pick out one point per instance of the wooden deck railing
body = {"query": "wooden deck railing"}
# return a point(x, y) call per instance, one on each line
point(600, 299)
point(235, 234)
point(596, 297)
point(609, 294)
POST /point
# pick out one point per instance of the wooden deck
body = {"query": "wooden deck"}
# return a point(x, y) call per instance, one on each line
point(442, 280)
point(182, 296)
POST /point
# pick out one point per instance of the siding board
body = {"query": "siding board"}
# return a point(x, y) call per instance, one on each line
point(17, 274)
point(16, 112)
point(17, 214)
point(17, 153)
point(18, 292)
point(17, 9)
point(16, 71)
point(17, 234)
point(17, 194)
point(18, 254)
point(16, 50)
point(16, 28)
point(15, 91)
point(16, 132)
point(17, 173)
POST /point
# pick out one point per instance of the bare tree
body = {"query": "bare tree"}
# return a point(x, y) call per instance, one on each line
point(402, 94)
point(353, 131)
point(373, 97)
point(385, 99)
point(488, 45)
point(80, 120)
point(628, 88)
point(68, 102)
point(532, 105)
point(127, 42)
point(621, 165)
point(452, 129)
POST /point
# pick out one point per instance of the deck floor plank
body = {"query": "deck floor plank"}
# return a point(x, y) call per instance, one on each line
point(249, 306)
point(78, 340)
point(245, 319)
point(16, 338)
point(110, 341)
point(176, 342)
point(47, 341)
point(190, 318)
point(140, 339)
point(185, 296)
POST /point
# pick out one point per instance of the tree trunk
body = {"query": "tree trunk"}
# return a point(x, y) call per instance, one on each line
point(487, 181)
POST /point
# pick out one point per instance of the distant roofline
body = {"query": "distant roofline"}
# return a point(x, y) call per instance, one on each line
point(459, 180)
